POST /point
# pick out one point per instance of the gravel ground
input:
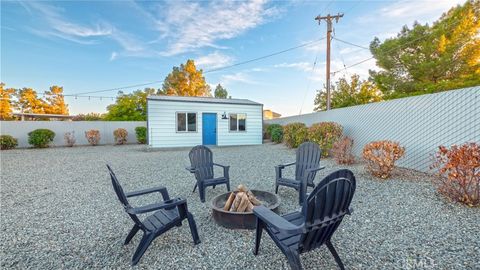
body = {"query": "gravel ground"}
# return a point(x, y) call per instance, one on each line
point(58, 210)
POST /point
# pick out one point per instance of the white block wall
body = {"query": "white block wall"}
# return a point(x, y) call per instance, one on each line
point(20, 130)
point(162, 123)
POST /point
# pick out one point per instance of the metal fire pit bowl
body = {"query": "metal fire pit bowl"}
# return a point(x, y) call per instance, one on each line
point(235, 220)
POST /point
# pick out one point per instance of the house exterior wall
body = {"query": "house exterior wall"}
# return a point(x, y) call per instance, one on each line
point(162, 129)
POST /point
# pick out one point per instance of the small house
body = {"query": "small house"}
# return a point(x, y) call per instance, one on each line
point(174, 121)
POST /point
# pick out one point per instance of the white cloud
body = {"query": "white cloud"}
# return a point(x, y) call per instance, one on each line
point(305, 66)
point(240, 77)
point(418, 9)
point(191, 25)
point(214, 60)
point(60, 27)
point(113, 56)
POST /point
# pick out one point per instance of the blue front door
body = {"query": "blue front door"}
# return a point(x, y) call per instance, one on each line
point(209, 126)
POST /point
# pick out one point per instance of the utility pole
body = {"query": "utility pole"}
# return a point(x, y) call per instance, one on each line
point(328, 19)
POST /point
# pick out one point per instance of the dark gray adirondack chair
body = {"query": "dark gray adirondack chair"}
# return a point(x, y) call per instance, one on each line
point(306, 165)
point(201, 160)
point(321, 214)
point(167, 214)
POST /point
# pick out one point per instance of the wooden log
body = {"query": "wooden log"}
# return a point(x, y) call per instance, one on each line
point(253, 199)
point(228, 203)
point(242, 188)
point(249, 207)
point(236, 202)
point(243, 203)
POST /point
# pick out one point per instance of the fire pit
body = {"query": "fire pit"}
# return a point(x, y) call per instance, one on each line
point(241, 220)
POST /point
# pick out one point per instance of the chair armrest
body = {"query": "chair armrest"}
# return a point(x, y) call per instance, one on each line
point(276, 221)
point(281, 166)
point(156, 206)
point(315, 169)
point(219, 165)
point(162, 190)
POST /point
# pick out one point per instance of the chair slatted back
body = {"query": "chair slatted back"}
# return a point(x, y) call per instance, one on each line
point(122, 197)
point(308, 157)
point(325, 208)
point(201, 158)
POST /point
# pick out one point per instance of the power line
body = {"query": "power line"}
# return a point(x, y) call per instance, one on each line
point(392, 49)
point(309, 83)
point(210, 70)
point(353, 44)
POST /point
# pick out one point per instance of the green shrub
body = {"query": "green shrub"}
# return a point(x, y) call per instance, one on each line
point(270, 128)
point(141, 133)
point(7, 142)
point(295, 134)
point(277, 134)
point(325, 134)
point(41, 138)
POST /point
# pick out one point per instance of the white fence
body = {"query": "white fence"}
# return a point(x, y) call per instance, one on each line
point(20, 130)
point(419, 123)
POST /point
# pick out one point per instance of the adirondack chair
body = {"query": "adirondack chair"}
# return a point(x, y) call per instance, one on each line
point(201, 160)
point(306, 165)
point(321, 214)
point(167, 214)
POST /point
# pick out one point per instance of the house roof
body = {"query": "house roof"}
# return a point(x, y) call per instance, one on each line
point(205, 100)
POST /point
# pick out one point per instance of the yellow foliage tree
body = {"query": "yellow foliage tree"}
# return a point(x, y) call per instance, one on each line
point(55, 101)
point(28, 101)
point(6, 102)
point(186, 80)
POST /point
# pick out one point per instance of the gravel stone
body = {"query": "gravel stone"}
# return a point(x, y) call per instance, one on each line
point(59, 210)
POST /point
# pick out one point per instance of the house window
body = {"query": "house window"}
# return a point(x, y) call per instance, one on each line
point(238, 122)
point(186, 122)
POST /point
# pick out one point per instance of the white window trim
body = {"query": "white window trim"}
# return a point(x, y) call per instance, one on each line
point(186, 122)
point(237, 130)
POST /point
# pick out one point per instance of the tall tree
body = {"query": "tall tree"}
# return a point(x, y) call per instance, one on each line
point(55, 101)
point(427, 59)
point(130, 107)
point(186, 80)
point(28, 101)
point(345, 94)
point(6, 102)
point(220, 92)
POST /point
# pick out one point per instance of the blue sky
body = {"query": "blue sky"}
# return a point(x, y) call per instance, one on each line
point(87, 46)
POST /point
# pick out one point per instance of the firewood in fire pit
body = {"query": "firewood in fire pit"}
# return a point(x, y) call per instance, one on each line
point(241, 200)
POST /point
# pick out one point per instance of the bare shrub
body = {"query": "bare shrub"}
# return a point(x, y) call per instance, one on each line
point(342, 150)
point(120, 135)
point(459, 170)
point(69, 138)
point(381, 156)
point(93, 136)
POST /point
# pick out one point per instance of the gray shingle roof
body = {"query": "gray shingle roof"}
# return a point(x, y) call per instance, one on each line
point(205, 100)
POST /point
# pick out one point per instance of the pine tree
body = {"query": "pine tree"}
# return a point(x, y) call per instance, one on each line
point(220, 92)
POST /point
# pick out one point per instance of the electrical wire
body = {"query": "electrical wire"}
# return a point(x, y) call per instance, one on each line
point(208, 71)
point(353, 44)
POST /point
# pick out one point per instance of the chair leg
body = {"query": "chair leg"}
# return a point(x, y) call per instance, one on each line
point(228, 186)
point(276, 188)
point(294, 260)
point(142, 247)
point(131, 234)
point(193, 228)
point(258, 236)
point(194, 188)
point(335, 254)
point(214, 186)
point(201, 190)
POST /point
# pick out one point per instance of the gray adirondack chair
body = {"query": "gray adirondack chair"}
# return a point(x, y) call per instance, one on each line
point(201, 161)
point(308, 229)
point(306, 165)
point(167, 214)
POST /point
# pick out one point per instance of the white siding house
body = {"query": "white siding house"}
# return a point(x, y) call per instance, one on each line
point(188, 121)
